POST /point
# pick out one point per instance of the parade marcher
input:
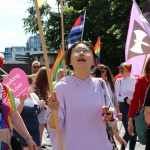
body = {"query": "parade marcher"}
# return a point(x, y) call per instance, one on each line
point(102, 71)
point(147, 118)
point(60, 74)
point(28, 107)
point(124, 91)
point(9, 117)
point(80, 109)
point(139, 95)
point(42, 90)
point(105, 73)
point(35, 66)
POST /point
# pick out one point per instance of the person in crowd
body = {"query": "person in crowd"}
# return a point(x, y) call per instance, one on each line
point(35, 66)
point(80, 109)
point(9, 117)
point(29, 107)
point(147, 117)
point(105, 73)
point(124, 91)
point(139, 94)
point(41, 88)
point(60, 74)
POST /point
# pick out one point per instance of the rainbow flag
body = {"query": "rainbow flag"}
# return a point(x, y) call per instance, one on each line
point(57, 65)
point(40, 3)
point(97, 48)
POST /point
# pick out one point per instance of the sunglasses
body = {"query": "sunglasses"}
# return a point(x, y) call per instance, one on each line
point(36, 67)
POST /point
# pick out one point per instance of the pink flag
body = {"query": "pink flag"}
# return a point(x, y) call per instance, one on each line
point(138, 40)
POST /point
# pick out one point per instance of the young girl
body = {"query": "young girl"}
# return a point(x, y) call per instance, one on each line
point(79, 100)
point(28, 107)
point(104, 72)
point(124, 91)
point(42, 90)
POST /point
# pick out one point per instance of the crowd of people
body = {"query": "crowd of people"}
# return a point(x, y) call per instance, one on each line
point(89, 101)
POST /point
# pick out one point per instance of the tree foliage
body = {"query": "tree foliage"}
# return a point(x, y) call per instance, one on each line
point(108, 19)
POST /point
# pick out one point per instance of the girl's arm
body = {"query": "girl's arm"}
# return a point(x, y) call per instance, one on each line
point(21, 105)
point(20, 127)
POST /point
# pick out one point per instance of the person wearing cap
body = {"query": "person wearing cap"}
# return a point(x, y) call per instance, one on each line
point(124, 92)
point(35, 66)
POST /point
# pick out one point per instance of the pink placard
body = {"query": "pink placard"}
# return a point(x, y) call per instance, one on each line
point(17, 80)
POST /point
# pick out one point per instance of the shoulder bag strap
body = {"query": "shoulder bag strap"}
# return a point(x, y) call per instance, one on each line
point(35, 97)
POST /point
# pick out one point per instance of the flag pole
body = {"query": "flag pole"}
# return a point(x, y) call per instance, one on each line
point(62, 34)
point(83, 25)
point(144, 64)
point(49, 74)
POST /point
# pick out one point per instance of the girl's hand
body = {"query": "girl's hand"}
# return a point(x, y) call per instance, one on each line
point(42, 103)
point(128, 102)
point(120, 139)
point(32, 145)
point(23, 98)
point(119, 116)
point(130, 127)
point(53, 101)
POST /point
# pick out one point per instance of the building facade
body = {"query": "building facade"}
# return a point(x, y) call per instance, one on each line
point(14, 56)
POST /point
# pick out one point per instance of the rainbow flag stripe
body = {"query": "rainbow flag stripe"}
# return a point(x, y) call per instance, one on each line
point(97, 47)
point(57, 65)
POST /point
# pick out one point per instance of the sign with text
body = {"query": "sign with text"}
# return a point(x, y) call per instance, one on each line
point(17, 80)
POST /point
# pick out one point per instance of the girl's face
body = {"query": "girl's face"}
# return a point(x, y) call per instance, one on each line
point(82, 58)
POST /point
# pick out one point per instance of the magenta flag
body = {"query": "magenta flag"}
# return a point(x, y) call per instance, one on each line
point(138, 40)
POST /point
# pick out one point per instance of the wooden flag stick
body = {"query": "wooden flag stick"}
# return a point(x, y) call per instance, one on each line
point(62, 34)
point(49, 74)
point(144, 63)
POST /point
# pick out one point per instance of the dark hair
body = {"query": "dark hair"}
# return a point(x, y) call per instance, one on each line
point(146, 70)
point(69, 51)
point(109, 75)
point(41, 82)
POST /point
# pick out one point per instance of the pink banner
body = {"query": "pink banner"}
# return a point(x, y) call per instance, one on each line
point(17, 80)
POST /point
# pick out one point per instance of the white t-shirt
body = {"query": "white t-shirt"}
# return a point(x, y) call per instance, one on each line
point(125, 88)
point(30, 101)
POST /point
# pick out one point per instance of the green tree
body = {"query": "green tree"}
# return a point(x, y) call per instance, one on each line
point(108, 19)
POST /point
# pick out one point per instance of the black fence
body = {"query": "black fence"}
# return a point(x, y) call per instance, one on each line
point(25, 67)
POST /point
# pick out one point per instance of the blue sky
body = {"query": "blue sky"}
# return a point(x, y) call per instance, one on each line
point(11, 25)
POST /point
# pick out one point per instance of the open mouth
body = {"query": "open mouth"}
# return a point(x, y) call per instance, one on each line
point(81, 60)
